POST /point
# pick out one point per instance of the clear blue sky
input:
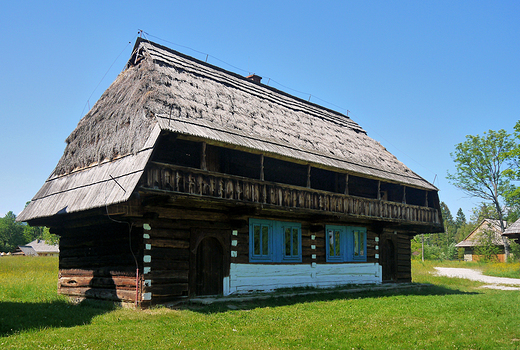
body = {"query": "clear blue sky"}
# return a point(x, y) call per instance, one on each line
point(417, 75)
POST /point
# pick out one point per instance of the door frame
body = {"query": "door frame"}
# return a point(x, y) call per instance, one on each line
point(196, 236)
point(392, 270)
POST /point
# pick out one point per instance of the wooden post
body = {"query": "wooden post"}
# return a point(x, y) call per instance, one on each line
point(346, 184)
point(379, 189)
point(203, 165)
point(422, 246)
point(309, 176)
point(261, 167)
point(404, 194)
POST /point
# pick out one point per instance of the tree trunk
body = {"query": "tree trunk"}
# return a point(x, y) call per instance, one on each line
point(502, 229)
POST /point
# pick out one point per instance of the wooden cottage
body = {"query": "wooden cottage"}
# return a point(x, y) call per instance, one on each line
point(186, 180)
point(487, 229)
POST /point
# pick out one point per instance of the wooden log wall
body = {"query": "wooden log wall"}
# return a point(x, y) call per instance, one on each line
point(404, 262)
point(203, 183)
point(170, 245)
point(166, 271)
point(96, 261)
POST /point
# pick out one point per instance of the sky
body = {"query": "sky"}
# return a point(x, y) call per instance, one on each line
point(418, 76)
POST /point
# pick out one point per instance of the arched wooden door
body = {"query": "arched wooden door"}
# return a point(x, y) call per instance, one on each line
point(389, 260)
point(210, 266)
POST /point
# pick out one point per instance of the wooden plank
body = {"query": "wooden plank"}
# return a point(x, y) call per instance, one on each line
point(157, 264)
point(103, 282)
point(167, 274)
point(168, 243)
point(99, 293)
point(102, 272)
point(96, 261)
point(172, 233)
point(169, 253)
point(167, 289)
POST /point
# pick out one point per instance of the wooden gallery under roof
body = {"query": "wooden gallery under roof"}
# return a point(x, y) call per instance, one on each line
point(186, 180)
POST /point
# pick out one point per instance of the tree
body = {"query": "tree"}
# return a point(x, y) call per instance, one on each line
point(513, 195)
point(461, 226)
point(482, 163)
point(30, 233)
point(460, 219)
point(11, 233)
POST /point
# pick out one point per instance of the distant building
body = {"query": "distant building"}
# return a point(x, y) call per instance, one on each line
point(472, 240)
point(513, 231)
point(39, 247)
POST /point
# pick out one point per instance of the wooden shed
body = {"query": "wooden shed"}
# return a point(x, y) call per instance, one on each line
point(185, 179)
point(487, 229)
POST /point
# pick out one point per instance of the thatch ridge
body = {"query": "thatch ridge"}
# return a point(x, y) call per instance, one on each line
point(161, 51)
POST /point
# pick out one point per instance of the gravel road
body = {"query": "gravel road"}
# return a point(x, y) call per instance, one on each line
point(475, 275)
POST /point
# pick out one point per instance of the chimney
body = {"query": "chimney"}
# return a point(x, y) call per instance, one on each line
point(254, 78)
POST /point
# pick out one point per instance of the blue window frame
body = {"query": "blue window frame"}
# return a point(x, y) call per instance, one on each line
point(345, 243)
point(261, 237)
point(335, 237)
point(360, 243)
point(274, 241)
point(292, 242)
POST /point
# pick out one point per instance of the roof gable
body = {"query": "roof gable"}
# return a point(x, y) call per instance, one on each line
point(486, 224)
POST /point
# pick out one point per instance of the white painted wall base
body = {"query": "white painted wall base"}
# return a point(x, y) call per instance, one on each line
point(244, 278)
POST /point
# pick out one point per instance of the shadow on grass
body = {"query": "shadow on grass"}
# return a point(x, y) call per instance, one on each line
point(19, 316)
point(297, 296)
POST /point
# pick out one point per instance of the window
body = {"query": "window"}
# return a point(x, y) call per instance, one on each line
point(274, 241)
point(334, 251)
point(346, 243)
point(262, 237)
point(359, 244)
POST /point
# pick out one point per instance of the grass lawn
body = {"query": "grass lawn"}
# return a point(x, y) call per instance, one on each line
point(452, 314)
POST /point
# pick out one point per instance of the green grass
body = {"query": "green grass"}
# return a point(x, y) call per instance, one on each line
point(451, 314)
point(511, 270)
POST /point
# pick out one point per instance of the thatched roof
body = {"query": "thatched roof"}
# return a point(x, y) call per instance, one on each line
point(161, 89)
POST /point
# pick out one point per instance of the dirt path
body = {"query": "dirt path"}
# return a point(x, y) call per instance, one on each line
point(502, 283)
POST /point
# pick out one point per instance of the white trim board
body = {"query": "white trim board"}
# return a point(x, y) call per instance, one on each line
point(244, 278)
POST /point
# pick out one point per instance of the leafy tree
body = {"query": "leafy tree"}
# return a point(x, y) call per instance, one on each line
point(512, 196)
point(31, 233)
point(11, 233)
point(49, 237)
point(482, 163)
point(460, 219)
point(483, 211)
point(515, 250)
point(39, 232)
